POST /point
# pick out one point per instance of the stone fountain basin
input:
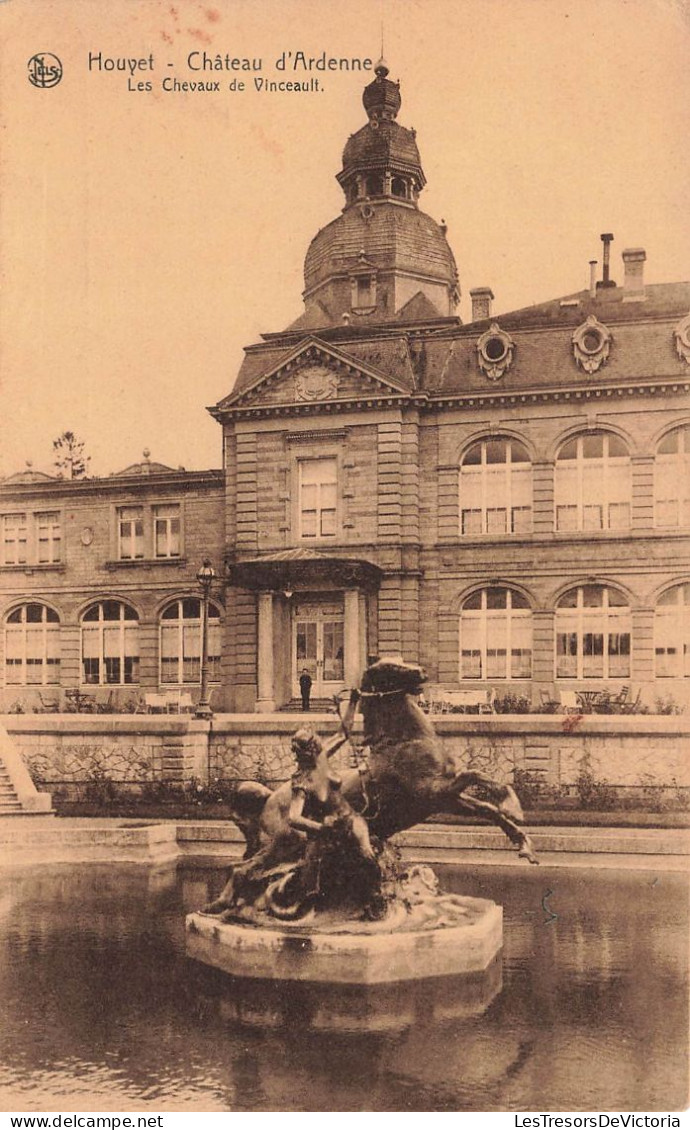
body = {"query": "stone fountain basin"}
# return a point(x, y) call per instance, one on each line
point(356, 953)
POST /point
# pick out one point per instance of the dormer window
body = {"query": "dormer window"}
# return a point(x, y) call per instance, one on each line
point(364, 291)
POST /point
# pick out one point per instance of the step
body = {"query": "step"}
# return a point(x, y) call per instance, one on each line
point(316, 706)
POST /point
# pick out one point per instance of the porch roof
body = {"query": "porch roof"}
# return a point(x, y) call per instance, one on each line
point(290, 569)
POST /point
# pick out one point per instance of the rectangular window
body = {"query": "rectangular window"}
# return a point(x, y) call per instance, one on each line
point(48, 538)
point(191, 653)
point(497, 646)
point(521, 647)
point(364, 291)
point(496, 520)
point(566, 518)
point(521, 520)
point(593, 655)
point(619, 655)
point(214, 651)
point(14, 647)
point(14, 539)
point(166, 530)
point(130, 533)
point(592, 518)
point(471, 649)
point(566, 655)
point(318, 487)
point(91, 652)
point(169, 653)
point(471, 521)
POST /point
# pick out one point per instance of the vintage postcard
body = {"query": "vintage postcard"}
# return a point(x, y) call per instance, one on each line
point(345, 511)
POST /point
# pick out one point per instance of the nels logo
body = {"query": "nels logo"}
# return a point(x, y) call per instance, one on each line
point(45, 70)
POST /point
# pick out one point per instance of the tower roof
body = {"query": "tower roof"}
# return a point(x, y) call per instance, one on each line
point(368, 263)
point(381, 97)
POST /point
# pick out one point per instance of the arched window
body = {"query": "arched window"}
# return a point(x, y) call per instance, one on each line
point(672, 634)
point(672, 479)
point(399, 187)
point(593, 627)
point(181, 642)
point(496, 488)
point(32, 646)
point(593, 485)
point(110, 643)
point(496, 635)
point(374, 185)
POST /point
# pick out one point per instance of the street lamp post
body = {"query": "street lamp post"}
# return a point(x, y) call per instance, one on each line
point(206, 576)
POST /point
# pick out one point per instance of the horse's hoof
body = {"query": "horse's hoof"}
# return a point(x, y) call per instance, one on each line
point(527, 853)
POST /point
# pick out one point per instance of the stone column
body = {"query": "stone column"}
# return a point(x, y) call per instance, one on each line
point(351, 640)
point(266, 699)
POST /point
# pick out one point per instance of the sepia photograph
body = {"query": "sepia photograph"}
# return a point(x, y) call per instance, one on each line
point(344, 560)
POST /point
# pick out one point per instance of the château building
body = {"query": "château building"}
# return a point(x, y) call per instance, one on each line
point(505, 501)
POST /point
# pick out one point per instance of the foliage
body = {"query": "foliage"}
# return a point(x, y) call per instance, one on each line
point(594, 793)
point(68, 456)
point(513, 704)
point(656, 797)
point(535, 792)
point(666, 704)
point(101, 789)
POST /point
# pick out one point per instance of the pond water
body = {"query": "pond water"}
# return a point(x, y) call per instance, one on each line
point(102, 1010)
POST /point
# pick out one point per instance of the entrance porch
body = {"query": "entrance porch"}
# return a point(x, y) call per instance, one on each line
point(314, 616)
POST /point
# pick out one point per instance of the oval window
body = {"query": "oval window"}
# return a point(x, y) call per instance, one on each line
point(495, 348)
point(591, 341)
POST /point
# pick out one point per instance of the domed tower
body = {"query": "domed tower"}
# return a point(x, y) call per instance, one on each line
point(382, 252)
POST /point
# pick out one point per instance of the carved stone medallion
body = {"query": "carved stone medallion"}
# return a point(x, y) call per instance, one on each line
point(591, 344)
point(316, 383)
point(681, 335)
point(495, 352)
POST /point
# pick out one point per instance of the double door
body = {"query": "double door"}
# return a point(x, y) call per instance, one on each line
point(318, 647)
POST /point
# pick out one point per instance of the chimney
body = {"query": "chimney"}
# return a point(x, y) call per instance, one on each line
point(633, 260)
point(607, 240)
point(482, 297)
point(592, 278)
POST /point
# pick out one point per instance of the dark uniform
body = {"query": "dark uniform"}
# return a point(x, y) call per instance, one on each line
point(305, 688)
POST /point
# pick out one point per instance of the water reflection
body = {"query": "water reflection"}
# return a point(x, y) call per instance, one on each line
point(103, 1011)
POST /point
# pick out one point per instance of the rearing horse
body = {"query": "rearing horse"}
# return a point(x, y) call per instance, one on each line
point(407, 778)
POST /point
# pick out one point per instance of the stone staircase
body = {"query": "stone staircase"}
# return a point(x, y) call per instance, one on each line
point(316, 706)
point(18, 794)
point(9, 801)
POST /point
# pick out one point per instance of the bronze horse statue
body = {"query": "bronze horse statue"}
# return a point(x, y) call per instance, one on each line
point(404, 778)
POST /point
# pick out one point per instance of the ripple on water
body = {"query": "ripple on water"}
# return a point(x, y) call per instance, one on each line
point(103, 1011)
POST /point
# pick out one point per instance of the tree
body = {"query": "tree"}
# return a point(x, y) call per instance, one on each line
point(69, 459)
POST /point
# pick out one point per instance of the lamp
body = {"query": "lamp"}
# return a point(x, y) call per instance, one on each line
point(205, 577)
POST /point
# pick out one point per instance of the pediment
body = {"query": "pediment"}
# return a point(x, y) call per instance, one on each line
point(316, 373)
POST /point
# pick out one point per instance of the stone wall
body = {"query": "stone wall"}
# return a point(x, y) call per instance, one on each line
point(625, 751)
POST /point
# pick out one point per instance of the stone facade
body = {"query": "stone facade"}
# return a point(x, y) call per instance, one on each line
point(103, 547)
point(505, 501)
point(517, 486)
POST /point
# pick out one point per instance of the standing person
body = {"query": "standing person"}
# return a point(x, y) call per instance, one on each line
point(305, 688)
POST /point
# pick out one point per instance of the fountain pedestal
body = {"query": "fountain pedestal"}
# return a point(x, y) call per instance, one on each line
point(463, 936)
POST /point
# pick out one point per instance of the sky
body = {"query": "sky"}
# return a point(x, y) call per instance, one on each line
point(147, 236)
